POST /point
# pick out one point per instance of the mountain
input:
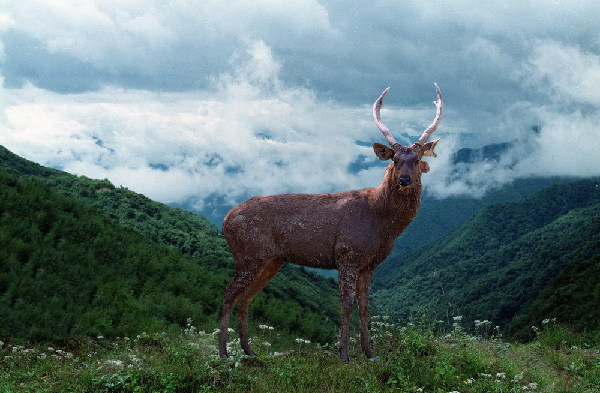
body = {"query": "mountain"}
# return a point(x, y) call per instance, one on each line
point(491, 152)
point(504, 263)
point(488, 152)
point(80, 256)
point(437, 217)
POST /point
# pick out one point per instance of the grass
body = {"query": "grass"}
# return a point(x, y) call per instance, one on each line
point(412, 359)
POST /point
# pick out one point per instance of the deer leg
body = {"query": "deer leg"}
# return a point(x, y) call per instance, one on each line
point(362, 296)
point(235, 288)
point(269, 270)
point(347, 284)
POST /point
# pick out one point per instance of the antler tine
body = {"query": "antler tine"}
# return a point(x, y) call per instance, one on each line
point(384, 130)
point(438, 116)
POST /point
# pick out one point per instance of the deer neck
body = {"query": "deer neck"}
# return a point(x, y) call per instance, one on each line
point(395, 205)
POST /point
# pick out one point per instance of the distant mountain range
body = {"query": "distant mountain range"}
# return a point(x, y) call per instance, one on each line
point(489, 152)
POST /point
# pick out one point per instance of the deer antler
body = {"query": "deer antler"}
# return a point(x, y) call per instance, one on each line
point(438, 116)
point(384, 130)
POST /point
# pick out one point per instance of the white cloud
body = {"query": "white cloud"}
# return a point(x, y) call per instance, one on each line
point(567, 146)
point(252, 135)
point(565, 72)
point(566, 81)
point(140, 40)
point(186, 99)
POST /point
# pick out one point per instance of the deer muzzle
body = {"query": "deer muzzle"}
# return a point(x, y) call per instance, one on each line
point(404, 180)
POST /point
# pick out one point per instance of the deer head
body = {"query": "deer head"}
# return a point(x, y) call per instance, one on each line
point(407, 166)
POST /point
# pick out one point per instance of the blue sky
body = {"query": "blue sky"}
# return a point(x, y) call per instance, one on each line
point(190, 100)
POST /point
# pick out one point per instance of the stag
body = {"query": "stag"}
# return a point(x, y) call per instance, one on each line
point(351, 231)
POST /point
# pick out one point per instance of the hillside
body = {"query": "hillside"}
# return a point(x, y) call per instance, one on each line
point(437, 217)
point(496, 265)
point(190, 233)
point(79, 256)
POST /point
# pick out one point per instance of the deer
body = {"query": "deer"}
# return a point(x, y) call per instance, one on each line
point(351, 231)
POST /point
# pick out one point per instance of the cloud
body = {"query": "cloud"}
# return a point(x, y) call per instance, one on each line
point(565, 73)
point(147, 45)
point(566, 81)
point(192, 100)
point(252, 134)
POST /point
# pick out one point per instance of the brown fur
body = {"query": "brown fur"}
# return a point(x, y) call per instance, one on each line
point(351, 231)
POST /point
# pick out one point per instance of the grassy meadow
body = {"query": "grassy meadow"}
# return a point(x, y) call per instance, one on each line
point(413, 358)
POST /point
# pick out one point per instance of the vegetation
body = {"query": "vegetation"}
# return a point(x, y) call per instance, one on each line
point(437, 217)
point(81, 257)
point(509, 264)
point(413, 359)
point(104, 290)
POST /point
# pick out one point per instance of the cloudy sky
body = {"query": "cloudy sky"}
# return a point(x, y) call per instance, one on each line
point(190, 101)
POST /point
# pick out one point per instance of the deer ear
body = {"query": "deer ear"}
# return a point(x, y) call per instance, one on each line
point(383, 152)
point(424, 166)
point(428, 148)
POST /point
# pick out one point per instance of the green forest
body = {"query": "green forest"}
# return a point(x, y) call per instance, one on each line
point(81, 257)
point(513, 264)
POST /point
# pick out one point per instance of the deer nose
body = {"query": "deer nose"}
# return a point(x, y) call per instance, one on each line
point(404, 180)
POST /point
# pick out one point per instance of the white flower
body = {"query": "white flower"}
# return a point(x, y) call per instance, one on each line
point(517, 377)
point(114, 363)
point(302, 341)
point(458, 318)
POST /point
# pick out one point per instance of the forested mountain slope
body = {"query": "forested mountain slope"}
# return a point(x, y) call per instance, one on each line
point(437, 217)
point(79, 256)
point(189, 232)
point(497, 264)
